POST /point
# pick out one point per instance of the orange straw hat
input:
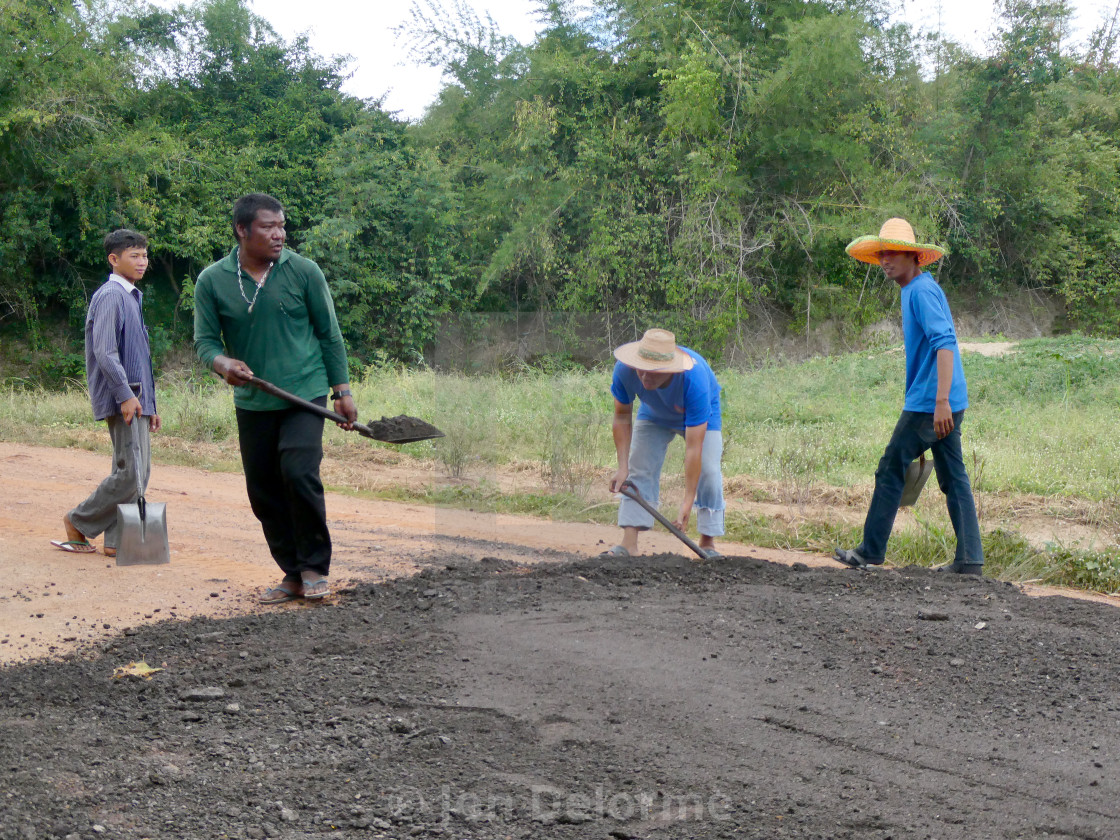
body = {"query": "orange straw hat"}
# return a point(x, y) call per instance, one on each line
point(657, 352)
point(894, 235)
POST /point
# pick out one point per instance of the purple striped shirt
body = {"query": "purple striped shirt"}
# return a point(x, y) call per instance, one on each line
point(118, 358)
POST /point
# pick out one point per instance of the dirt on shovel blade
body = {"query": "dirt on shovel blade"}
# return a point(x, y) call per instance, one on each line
point(402, 429)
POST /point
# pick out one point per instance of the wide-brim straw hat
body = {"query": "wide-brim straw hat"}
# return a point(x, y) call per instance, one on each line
point(656, 352)
point(894, 235)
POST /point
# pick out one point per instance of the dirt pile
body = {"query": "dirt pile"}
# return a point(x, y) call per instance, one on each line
point(656, 698)
point(399, 429)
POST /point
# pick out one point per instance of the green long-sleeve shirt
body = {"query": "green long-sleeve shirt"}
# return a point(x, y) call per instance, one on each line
point(291, 338)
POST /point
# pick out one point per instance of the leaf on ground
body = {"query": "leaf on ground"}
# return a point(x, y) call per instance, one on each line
point(140, 669)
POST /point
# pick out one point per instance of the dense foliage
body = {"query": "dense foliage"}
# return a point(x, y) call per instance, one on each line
point(705, 159)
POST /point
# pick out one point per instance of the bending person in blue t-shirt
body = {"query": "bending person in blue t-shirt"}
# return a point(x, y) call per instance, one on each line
point(936, 397)
point(679, 395)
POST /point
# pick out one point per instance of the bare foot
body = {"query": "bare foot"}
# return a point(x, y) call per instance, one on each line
point(315, 586)
point(283, 592)
point(109, 551)
point(72, 533)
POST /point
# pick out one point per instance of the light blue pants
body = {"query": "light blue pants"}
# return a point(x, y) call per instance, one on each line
point(648, 445)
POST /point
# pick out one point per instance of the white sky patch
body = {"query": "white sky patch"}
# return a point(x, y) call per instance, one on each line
point(381, 64)
point(972, 22)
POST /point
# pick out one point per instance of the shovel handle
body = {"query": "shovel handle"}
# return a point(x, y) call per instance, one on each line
point(277, 391)
point(380, 429)
point(630, 491)
point(141, 505)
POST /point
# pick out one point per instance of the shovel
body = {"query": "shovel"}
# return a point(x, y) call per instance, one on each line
point(143, 526)
point(399, 429)
point(916, 475)
point(631, 492)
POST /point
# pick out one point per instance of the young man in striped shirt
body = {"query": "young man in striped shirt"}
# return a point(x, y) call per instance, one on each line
point(121, 389)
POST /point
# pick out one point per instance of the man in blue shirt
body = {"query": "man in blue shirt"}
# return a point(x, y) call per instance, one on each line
point(121, 389)
point(679, 395)
point(936, 397)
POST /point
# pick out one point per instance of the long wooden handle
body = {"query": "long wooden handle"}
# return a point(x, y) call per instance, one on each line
point(269, 388)
point(631, 492)
point(276, 391)
point(394, 430)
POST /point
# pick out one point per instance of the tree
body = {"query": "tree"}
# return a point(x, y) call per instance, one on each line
point(387, 237)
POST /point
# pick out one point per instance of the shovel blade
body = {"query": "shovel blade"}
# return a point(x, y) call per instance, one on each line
point(916, 475)
point(399, 429)
point(143, 540)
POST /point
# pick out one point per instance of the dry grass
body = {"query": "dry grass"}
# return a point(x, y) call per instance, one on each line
point(801, 443)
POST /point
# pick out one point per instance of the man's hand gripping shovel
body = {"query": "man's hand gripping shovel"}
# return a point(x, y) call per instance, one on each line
point(143, 524)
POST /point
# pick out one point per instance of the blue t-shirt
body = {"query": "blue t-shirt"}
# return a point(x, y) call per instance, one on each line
point(690, 398)
point(927, 326)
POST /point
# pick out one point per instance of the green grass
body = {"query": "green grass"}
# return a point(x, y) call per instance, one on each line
point(1041, 423)
point(1038, 422)
point(1007, 556)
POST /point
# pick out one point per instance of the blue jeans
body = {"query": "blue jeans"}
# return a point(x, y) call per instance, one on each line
point(913, 435)
point(648, 444)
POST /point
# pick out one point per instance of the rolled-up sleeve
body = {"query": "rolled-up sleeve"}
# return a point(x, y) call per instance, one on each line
point(697, 398)
point(619, 388)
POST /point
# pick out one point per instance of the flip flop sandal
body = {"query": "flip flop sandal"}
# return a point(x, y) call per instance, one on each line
point(850, 558)
point(278, 595)
point(316, 589)
point(73, 546)
point(962, 568)
point(711, 553)
point(615, 551)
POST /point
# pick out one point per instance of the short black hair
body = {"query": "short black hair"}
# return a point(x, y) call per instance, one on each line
point(123, 239)
point(245, 209)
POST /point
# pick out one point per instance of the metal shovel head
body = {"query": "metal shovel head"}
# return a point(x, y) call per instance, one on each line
point(399, 429)
point(916, 475)
point(143, 534)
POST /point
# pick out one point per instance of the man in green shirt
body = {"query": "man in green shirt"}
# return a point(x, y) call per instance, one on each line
point(264, 310)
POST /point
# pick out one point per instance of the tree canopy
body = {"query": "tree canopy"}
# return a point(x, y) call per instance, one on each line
point(702, 159)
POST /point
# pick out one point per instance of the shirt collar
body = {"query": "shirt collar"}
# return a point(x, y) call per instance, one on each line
point(128, 287)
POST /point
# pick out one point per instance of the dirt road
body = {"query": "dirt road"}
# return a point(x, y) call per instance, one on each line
point(52, 602)
point(511, 687)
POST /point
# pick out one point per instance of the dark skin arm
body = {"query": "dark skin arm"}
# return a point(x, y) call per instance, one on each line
point(622, 428)
point(345, 406)
point(693, 450)
point(131, 408)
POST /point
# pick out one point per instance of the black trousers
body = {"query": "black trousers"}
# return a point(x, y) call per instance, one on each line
point(281, 452)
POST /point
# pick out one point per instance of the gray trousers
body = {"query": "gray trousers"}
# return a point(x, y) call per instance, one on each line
point(98, 513)
point(648, 445)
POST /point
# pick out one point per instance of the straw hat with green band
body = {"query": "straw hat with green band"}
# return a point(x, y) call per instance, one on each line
point(894, 235)
point(657, 352)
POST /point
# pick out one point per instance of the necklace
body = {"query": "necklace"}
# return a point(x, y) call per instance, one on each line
point(260, 283)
